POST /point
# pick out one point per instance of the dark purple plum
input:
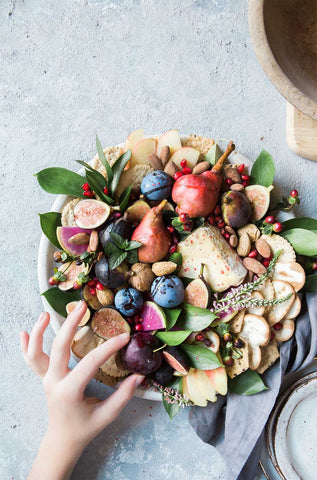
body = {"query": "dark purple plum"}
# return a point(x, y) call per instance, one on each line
point(163, 375)
point(138, 356)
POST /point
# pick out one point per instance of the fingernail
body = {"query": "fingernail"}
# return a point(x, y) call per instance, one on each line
point(41, 317)
point(138, 380)
point(124, 336)
point(79, 305)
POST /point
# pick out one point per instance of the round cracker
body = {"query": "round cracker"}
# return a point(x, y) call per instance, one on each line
point(286, 332)
point(291, 272)
point(202, 144)
point(110, 367)
point(279, 311)
point(257, 333)
point(295, 308)
point(256, 310)
point(112, 154)
point(107, 379)
point(133, 176)
point(68, 219)
point(277, 243)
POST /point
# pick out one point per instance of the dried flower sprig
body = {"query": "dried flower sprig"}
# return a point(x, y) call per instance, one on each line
point(171, 395)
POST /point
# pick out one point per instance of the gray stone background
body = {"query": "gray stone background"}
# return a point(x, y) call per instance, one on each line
point(68, 70)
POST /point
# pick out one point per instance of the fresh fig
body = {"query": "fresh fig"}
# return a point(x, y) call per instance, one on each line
point(259, 197)
point(119, 226)
point(198, 292)
point(176, 360)
point(91, 213)
point(136, 211)
point(236, 209)
point(111, 278)
point(141, 354)
point(107, 323)
point(71, 272)
point(65, 233)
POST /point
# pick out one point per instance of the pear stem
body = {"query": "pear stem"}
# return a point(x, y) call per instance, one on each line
point(161, 206)
point(201, 273)
point(218, 167)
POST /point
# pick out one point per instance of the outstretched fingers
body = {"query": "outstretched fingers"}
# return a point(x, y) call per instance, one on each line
point(32, 346)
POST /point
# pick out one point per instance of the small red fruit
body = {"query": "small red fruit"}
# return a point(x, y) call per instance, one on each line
point(188, 226)
point(187, 171)
point(221, 224)
point(278, 326)
point(217, 210)
point(86, 187)
point(76, 285)
point(266, 262)
point(106, 190)
point(172, 249)
point(229, 181)
point(199, 337)
point(91, 283)
point(245, 183)
point(99, 286)
point(269, 219)
point(177, 175)
point(226, 235)
point(211, 220)
point(294, 193)
point(92, 291)
point(52, 281)
point(183, 217)
point(137, 327)
point(170, 228)
point(88, 194)
point(277, 227)
point(218, 219)
point(245, 177)
point(253, 254)
point(314, 266)
point(240, 168)
point(183, 163)
point(228, 361)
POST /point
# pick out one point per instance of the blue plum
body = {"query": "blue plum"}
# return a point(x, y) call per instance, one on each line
point(168, 291)
point(156, 186)
point(128, 301)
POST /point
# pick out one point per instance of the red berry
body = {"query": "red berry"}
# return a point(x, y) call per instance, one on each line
point(170, 228)
point(86, 187)
point(188, 226)
point(240, 168)
point(217, 210)
point(183, 163)
point(245, 183)
point(269, 219)
point(229, 181)
point(199, 337)
point(272, 336)
point(106, 190)
point(277, 227)
point(88, 194)
point(137, 319)
point(218, 219)
point(137, 327)
point(99, 286)
point(278, 326)
point(177, 175)
point(253, 254)
point(183, 217)
point(294, 193)
point(314, 266)
point(266, 262)
point(211, 220)
point(52, 281)
point(91, 283)
point(245, 177)
point(76, 285)
point(116, 215)
point(228, 361)
point(221, 224)
point(172, 249)
point(187, 171)
point(227, 235)
point(92, 291)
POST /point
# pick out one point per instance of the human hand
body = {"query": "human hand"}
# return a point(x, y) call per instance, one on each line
point(74, 419)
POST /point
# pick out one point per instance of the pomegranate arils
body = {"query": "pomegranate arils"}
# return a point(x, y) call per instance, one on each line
point(187, 171)
point(177, 175)
point(253, 254)
point(217, 210)
point(170, 228)
point(272, 336)
point(314, 266)
point(245, 177)
point(183, 163)
point(240, 168)
point(88, 194)
point(138, 327)
point(266, 262)
point(211, 220)
point(278, 326)
point(106, 190)
point(229, 181)
point(91, 283)
point(86, 187)
point(183, 217)
point(172, 249)
point(221, 224)
point(99, 286)
point(76, 285)
point(199, 337)
point(92, 291)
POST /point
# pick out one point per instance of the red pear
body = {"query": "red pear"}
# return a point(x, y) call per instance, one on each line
point(153, 235)
point(197, 195)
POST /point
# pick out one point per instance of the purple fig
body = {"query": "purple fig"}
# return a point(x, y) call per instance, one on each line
point(236, 209)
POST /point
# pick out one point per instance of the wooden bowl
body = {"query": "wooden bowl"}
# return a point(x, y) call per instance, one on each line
point(284, 34)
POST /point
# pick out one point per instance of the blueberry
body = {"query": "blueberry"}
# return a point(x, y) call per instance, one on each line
point(156, 185)
point(128, 301)
point(167, 291)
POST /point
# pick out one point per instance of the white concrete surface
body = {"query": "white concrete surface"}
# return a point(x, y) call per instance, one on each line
point(68, 70)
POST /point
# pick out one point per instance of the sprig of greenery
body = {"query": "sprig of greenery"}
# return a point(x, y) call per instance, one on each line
point(193, 222)
point(120, 250)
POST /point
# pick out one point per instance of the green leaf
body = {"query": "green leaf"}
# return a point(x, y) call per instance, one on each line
point(59, 299)
point(49, 223)
point(95, 183)
point(176, 258)
point(173, 338)
point(263, 170)
point(124, 198)
point(303, 241)
point(133, 257)
point(172, 315)
point(133, 245)
point(103, 160)
point(117, 239)
point(247, 383)
point(213, 154)
point(195, 318)
point(112, 249)
point(61, 181)
point(223, 328)
point(118, 169)
point(267, 230)
point(116, 260)
point(173, 408)
point(201, 357)
point(305, 223)
point(310, 284)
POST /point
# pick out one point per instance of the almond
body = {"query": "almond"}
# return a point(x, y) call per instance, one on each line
point(254, 266)
point(163, 268)
point(171, 168)
point(237, 187)
point(201, 167)
point(263, 247)
point(233, 174)
point(165, 155)
point(244, 245)
point(155, 162)
point(79, 239)
point(233, 240)
point(93, 241)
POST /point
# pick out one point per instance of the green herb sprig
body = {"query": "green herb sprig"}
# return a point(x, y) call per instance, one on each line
point(120, 250)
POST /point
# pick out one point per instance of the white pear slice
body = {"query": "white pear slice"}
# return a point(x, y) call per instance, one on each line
point(194, 393)
point(141, 152)
point(171, 139)
point(191, 155)
point(133, 138)
point(71, 306)
point(204, 385)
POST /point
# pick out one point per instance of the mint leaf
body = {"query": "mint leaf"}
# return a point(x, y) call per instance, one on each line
point(111, 249)
point(133, 245)
point(117, 239)
point(116, 260)
point(132, 257)
point(172, 315)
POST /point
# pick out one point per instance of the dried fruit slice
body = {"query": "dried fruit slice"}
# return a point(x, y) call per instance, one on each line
point(279, 311)
point(193, 390)
point(108, 323)
point(259, 197)
point(205, 386)
point(65, 233)
point(137, 211)
point(277, 243)
point(213, 337)
point(153, 317)
point(170, 138)
point(71, 306)
point(269, 354)
point(133, 138)
point(84, 341)
point(291, 272)
point(257, 333)
point(218, 379)
point(91, 213)
point(141, 152)
point(198, 292)
point(71, 271)
point(286, 332)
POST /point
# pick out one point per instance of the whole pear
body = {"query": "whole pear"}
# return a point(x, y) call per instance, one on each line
point(154, 236)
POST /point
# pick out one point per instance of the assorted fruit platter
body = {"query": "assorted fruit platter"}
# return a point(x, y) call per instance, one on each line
point(169, 239)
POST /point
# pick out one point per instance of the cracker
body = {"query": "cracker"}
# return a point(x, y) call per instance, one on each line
point(112, 154)
point(295, 308)
point(68, 219)
point(133, 176)
point(110, 367)
point(278, 312)
point(237, 322)
point(286, 332)
point(270, 354)
point(266, 289)
point(291, 272)
point(277, 243)
point(202, 144)
point(256, 310)
point(257, 333)
point(240, 365)
point(107, 379)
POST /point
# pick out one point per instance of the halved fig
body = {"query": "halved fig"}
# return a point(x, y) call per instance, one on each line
point(137, 211)
point(108, 323)
point(71, 306)
point(84, 341)
point(71, 272)
point(176, 360)
point(91, 213)
point(259, 197)
point(198, 292)
point(91, 300)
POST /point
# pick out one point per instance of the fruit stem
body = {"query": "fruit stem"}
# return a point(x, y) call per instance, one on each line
point(220, 163)
point(201, 273)
point(160, 207)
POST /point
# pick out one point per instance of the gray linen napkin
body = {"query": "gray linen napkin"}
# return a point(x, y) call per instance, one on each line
point(234, 424)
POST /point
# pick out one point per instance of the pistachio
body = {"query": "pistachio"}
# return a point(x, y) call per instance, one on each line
point(165, 155)
point(79, 239)
point(141, 277)
point(93, 241)
point(155, 162)
point(201, 167)
point(163, 268)
point(244, 245)
point(254, 266)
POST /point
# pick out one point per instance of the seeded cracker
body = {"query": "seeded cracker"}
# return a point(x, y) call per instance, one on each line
point(277, 243)
point(269, 356)
point(68, 219)
point(202, 144)
point(240, 365)
point(110, 368)
point(237, 322)
point(112, 154)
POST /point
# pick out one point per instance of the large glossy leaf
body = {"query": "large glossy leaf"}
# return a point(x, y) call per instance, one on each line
point(118, 168)
point(61, 181)
point(263, 170)
point(305, 222)
point(49, 223)
point(310, 284)
point(172, 315)
point(173, 408)
point(201, 357)
point(195, 318)
point(104, 161)
point(173, 338)
point(247, 383)
point(303, 241)
point(59, 299)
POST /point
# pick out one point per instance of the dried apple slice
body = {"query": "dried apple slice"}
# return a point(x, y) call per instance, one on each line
point(171, 139)
point(141, 152)
point(193, 390)
point(191, 155)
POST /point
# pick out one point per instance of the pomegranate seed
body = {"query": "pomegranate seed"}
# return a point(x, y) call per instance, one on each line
point(137, 318)
point(211, 220)
point(218, 219)
point(52, 281)
point(245, 183)
point(175, 239)
point(266, 262)
point(76, 285)
point(294, 193)
point(240, 168)
point(88, 194)
point(199, 337)
point(278, 326)
point(217, 210)
point(188, 226)
point(92, 291)
point(272, 336)
point(183, 217)
point(314, 266)
point(229, 181)
point(91, 283)
point(183, 163)
point(137, 327)
point(170, 228)
point(222, 231)
point(106, 190)
point(269, 219)
point(277, 227)
point(116, 215)
point(99, 286)
point(221, 224)
point(172, 249)
point(177, 175)
point(253, 254)
point(187, 171)
point(245, 177)
point(227, 235)
point(86, 187)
